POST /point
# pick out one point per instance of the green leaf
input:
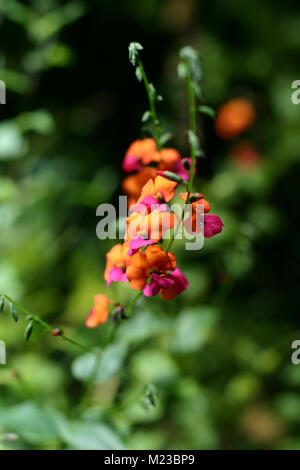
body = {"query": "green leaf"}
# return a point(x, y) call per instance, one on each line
point(207, 110)
point(193, 328)
point(146, 116)
point(13, 312)
point(182, 70)
point(90, 436)
point(173, 176)
point(195, 144)
point(166, 136)
point(133, 49)
point(193, 139)
point(152, 91)
point(12, 143)
point(138, 74)
point(200, 153)
point(100, 366)
point(191, 66)
point(33, 423)
point(151, 396)
point(2, 302)
point(28, 331)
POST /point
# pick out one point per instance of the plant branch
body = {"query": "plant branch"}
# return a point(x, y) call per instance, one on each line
point(44, 324)
point(156, 122)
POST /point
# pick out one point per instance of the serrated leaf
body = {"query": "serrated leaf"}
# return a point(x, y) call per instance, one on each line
point(14, 312)
point(207, 110)
point(28, 331)
point(133, 49)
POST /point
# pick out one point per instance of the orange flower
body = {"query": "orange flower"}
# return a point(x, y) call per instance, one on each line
point(212, 224)
point(195, 200)
point(116, 263)
point(99, 313)
point(140, 152)
point(132, 185)
point(142, 265)
point(149, 226)
point(234, 117)
point(166, 159)
point(160, 188)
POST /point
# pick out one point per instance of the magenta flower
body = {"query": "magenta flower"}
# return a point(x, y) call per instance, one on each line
point(169, 285)
point(148, 204)
point(137, 243)
point(180, 284)
point(131, 163)
point(212, 225)
point(158, 283)
point(181, 171)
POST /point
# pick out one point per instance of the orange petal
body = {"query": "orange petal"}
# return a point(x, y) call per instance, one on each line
point(234, 117)
point(115, 257)
point(160, 260)
point(99, 313)
point(141, 147)
point(168, 159)
point(136, 271)
point(133, 184)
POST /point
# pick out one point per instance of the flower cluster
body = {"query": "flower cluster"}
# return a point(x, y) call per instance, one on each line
point(141, 260)
point(144, 161)
point(154, 175)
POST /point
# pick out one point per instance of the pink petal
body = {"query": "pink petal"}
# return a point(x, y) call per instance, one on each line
point(116, 274)
point(180, 284)
point(151, 203)
point(212, 225)
point(136, 243)
point(157, 283)
point(131, 163)
point(181, 171)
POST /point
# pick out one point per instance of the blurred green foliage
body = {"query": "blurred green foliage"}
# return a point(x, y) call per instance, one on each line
point(211, 369)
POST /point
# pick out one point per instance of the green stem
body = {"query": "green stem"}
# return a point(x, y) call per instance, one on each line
point(132, 303)
point(157, 125)
point(44, 324)
point(92, 378)
point(98, 354)
point(192, 114)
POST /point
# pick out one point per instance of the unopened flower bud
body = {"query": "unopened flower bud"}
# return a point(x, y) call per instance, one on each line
point(57, 332)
